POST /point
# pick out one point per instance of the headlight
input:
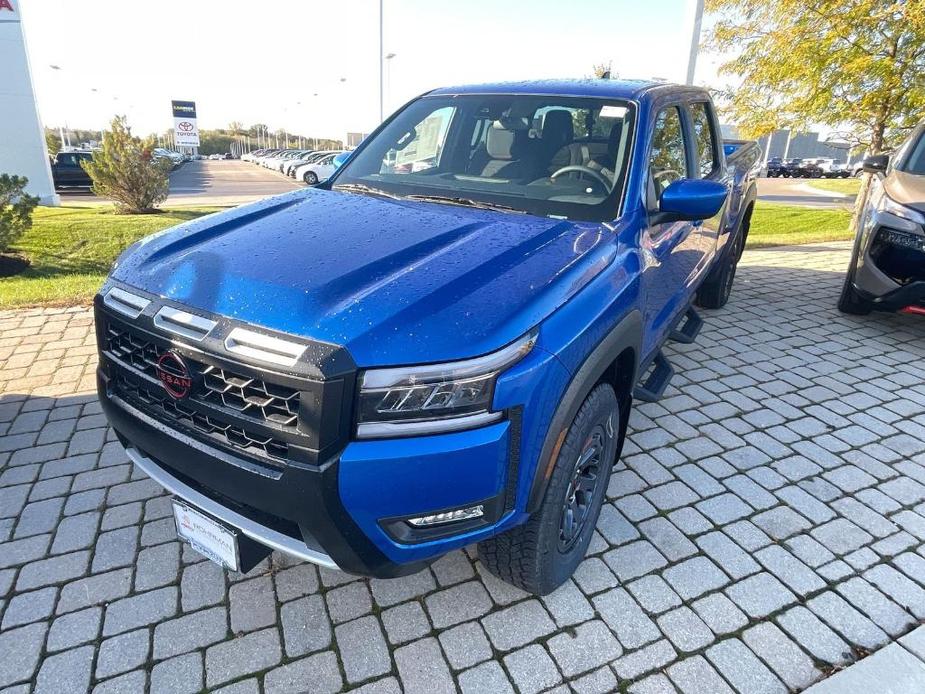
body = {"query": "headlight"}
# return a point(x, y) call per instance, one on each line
point(434, 398)
point(883, 203)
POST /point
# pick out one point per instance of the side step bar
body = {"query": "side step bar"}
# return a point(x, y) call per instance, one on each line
point(653, 387)
point(688, 327)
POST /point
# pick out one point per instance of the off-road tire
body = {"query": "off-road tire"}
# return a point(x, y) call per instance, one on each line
point(717, 287)
point(531, 556)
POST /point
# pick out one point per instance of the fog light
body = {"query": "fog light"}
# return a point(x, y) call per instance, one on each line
point(448, 516)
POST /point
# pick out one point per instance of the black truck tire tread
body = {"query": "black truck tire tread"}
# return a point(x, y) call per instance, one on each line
point(520, 555)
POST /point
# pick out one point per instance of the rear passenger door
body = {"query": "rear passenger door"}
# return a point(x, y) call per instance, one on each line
point(674, 249)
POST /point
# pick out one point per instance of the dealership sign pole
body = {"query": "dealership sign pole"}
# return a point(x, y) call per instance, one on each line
point(185, 129)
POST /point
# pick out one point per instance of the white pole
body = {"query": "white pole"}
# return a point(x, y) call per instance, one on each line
point(695, 42)
point(381, 65)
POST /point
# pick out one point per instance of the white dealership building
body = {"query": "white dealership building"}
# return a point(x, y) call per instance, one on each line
point(22, 135)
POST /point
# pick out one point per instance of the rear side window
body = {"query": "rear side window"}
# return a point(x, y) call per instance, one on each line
point(667, 158)
point(705, 142)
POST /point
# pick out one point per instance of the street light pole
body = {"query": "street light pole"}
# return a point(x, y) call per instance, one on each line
point(695, 42)
point(388, 59)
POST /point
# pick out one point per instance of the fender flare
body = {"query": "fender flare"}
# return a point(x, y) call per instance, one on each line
point(626, 334)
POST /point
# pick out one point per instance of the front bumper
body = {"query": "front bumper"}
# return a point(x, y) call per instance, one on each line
point(346, 511)
point(890, 273)
point(314, 493)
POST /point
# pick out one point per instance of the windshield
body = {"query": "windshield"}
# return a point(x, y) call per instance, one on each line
point(545, 155)
point(915, 161)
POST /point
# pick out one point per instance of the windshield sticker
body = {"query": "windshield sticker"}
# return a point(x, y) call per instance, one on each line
point(613, 111)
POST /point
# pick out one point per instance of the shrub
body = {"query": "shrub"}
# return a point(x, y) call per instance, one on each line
point(15, 209)
point(125, 170)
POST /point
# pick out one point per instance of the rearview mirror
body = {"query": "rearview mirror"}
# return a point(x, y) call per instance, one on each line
point(689, 200)
point(877, 163)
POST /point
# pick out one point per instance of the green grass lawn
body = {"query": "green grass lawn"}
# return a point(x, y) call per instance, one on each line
point(72, 248)
point(784, 225)
point(846, 186)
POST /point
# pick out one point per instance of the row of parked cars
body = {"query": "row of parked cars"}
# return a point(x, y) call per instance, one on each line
point(67, 172)
point(306, 165)
point(818, 167)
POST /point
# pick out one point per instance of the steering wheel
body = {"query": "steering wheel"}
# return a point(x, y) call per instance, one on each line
point(577, 168)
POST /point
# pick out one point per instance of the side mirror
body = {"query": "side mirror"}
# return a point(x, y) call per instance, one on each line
point(876, 163)
point(689, 200)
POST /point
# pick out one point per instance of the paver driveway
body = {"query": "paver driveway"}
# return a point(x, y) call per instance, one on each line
point(766, 522)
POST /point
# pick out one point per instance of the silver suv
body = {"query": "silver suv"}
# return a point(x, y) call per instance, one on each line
point(887, 270)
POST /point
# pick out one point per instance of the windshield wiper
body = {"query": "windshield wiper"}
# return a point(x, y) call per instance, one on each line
point(363, 188)
point(464, 202)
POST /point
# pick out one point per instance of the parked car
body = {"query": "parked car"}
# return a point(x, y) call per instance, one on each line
point(775, 167)
point(401, 362)
point(838, 170)
point(317, 171)
point(887, 268)
point(175, 158)
point(792, 168)
point(306, 157)
point(66, 171)
point(809, 168)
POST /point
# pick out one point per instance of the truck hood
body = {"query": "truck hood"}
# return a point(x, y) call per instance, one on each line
point(394, 281)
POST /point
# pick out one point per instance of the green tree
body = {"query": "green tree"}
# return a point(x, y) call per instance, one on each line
point(857, 66)
point(52, 142)
point(601, 70)
point(15, 209)
point(125, 170)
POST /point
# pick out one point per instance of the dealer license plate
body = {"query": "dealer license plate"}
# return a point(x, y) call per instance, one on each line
point(207, 536)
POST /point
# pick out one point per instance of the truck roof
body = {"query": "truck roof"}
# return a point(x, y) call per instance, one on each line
point(593, 87)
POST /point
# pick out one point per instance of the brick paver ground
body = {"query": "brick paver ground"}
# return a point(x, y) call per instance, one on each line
point(766, 523)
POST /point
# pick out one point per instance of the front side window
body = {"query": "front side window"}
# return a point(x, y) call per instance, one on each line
point(545, 155)
point(915, 162)
point(705, 143)
point(667, 158)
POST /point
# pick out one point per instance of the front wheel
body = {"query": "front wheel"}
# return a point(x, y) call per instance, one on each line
point(541, 554)
point(310, 177)
point(849, 301)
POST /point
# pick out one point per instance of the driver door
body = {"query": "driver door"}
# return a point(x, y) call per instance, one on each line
point(672, 250)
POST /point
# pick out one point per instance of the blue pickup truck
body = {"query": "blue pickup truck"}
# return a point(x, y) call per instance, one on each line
point(438, 346)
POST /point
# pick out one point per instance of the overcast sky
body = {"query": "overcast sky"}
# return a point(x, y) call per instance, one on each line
point(312, 66)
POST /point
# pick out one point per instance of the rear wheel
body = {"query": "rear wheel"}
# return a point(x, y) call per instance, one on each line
point(717, 287)
point(310, 177)
point(541, 554)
